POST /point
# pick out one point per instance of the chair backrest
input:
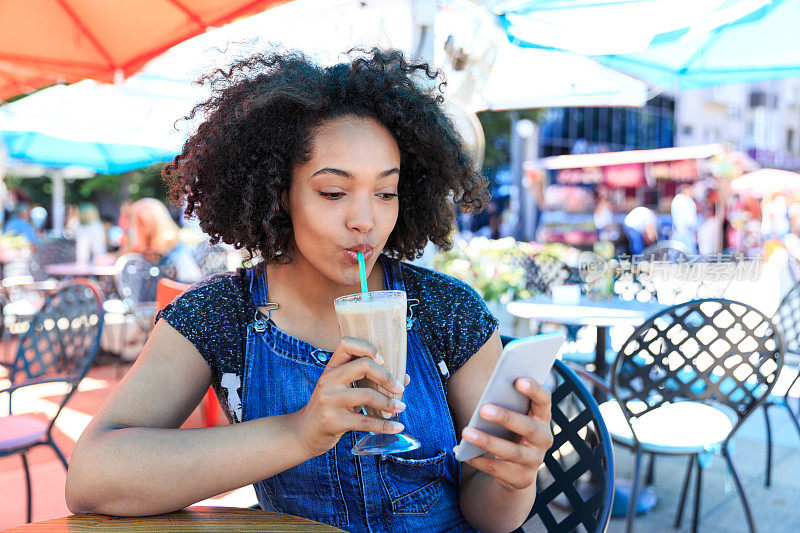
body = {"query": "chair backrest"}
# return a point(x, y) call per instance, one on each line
point(137, 278)
point(63, 337)
point(167, 291)
point(544, 271)
point(787, 318)
point(712, 350)
point(48, 252)
point(575, 485)
point(671, 251)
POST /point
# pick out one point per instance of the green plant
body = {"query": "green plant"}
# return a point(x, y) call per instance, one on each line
point(494, 268)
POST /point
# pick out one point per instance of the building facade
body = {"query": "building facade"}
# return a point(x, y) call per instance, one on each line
point(761, 119)
point(581, 130)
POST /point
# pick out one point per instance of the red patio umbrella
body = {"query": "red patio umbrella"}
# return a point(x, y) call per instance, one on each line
point(47, 41)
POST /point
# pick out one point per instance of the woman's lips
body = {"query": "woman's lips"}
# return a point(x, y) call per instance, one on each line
point(352, 254)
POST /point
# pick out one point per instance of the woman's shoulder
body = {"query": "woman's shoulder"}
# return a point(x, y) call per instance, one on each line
point(211, 313)
point(220, 291)
point(214, 304)
point(452, 316)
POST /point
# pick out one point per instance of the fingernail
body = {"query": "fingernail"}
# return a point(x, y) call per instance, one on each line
point(398, 386)
point(470, 434)
point(398, 405)
point(491, 410)
point(526, 384)
point(379, 359)
point(397, 426)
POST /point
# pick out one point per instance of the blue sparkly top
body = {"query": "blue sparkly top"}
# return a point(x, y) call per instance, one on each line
point(213, 315)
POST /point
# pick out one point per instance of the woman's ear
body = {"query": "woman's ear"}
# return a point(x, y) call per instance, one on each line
point(285, 202)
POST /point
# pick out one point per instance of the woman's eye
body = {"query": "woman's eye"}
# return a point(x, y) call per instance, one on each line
point(387, 195)
point(332, 195)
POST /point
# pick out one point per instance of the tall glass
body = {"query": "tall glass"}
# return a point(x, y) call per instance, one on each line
point(379, 318)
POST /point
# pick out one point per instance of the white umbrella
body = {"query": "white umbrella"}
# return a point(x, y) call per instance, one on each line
point(484, 71)
point(766, 181)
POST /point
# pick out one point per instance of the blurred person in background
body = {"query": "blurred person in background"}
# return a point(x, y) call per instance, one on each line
point(153, 232)
point(603, 215)
point(774, 217)
point(640, 228)
point(19, 223)
point(684, 218)
point(707, 232)
point(90, 235)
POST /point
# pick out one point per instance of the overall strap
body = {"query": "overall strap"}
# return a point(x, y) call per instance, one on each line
point(258, 289)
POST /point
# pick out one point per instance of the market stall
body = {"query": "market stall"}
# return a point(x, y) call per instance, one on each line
point(574, 183)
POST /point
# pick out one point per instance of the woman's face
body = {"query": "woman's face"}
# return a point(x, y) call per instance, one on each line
point(344, 199)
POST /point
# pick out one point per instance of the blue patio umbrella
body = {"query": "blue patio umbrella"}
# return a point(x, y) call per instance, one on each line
point(105, 128)
point(103, 158)
point(765, 44)
point(719, 42)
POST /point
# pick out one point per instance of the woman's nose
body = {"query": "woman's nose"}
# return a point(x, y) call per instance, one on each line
point(360, 217)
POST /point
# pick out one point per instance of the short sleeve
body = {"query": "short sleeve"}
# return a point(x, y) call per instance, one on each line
point(453, 317)
point(209, 315)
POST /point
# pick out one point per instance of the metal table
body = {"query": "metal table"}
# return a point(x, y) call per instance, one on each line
point(601, 314)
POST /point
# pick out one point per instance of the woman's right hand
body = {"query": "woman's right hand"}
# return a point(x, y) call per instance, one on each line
point(335, 404)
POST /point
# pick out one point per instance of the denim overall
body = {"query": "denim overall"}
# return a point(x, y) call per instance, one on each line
point(412, 491)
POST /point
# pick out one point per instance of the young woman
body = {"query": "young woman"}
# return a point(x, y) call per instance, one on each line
point(304, 166)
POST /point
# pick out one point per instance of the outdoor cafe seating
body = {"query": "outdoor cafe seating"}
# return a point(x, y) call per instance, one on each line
point(575, 484)
point(684, 383)
point(59, 346)
point(786, 319)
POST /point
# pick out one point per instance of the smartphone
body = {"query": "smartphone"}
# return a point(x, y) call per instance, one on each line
point(528, 357)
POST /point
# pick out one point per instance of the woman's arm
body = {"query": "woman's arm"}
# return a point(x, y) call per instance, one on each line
point(132, 460)
point(497, 494)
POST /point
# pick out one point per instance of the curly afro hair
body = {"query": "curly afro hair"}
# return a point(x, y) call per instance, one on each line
point(259, 124)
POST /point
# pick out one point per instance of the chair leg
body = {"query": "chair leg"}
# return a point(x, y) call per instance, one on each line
point(60, 455)
point(634, 495)
point(651, 471)
point(793, 416)
point(685, 489)
point(698, 491)
point(726, 453)
point(768, 480)
point(27, 485)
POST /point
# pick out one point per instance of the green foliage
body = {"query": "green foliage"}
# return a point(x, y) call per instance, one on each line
point(494, 268)
point(142, 183)
point(497, 130)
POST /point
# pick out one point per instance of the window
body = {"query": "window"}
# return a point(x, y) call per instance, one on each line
point(687, 130)
point(790, 141)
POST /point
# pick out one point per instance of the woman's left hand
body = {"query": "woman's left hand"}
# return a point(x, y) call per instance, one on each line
point(516, 462)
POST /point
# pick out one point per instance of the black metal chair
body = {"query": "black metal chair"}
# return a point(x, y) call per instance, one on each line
point(56, 250)
point(544, 271)
point(59, 346)
point(575, 484)
point(135, 286)
point(670, 372)
point(137, 279)
point(787, 318)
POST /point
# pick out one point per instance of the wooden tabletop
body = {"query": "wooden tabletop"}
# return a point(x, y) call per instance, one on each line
point(216, 519)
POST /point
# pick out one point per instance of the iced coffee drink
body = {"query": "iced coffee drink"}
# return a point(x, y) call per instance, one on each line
point(381, 321)
point(379, 318)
